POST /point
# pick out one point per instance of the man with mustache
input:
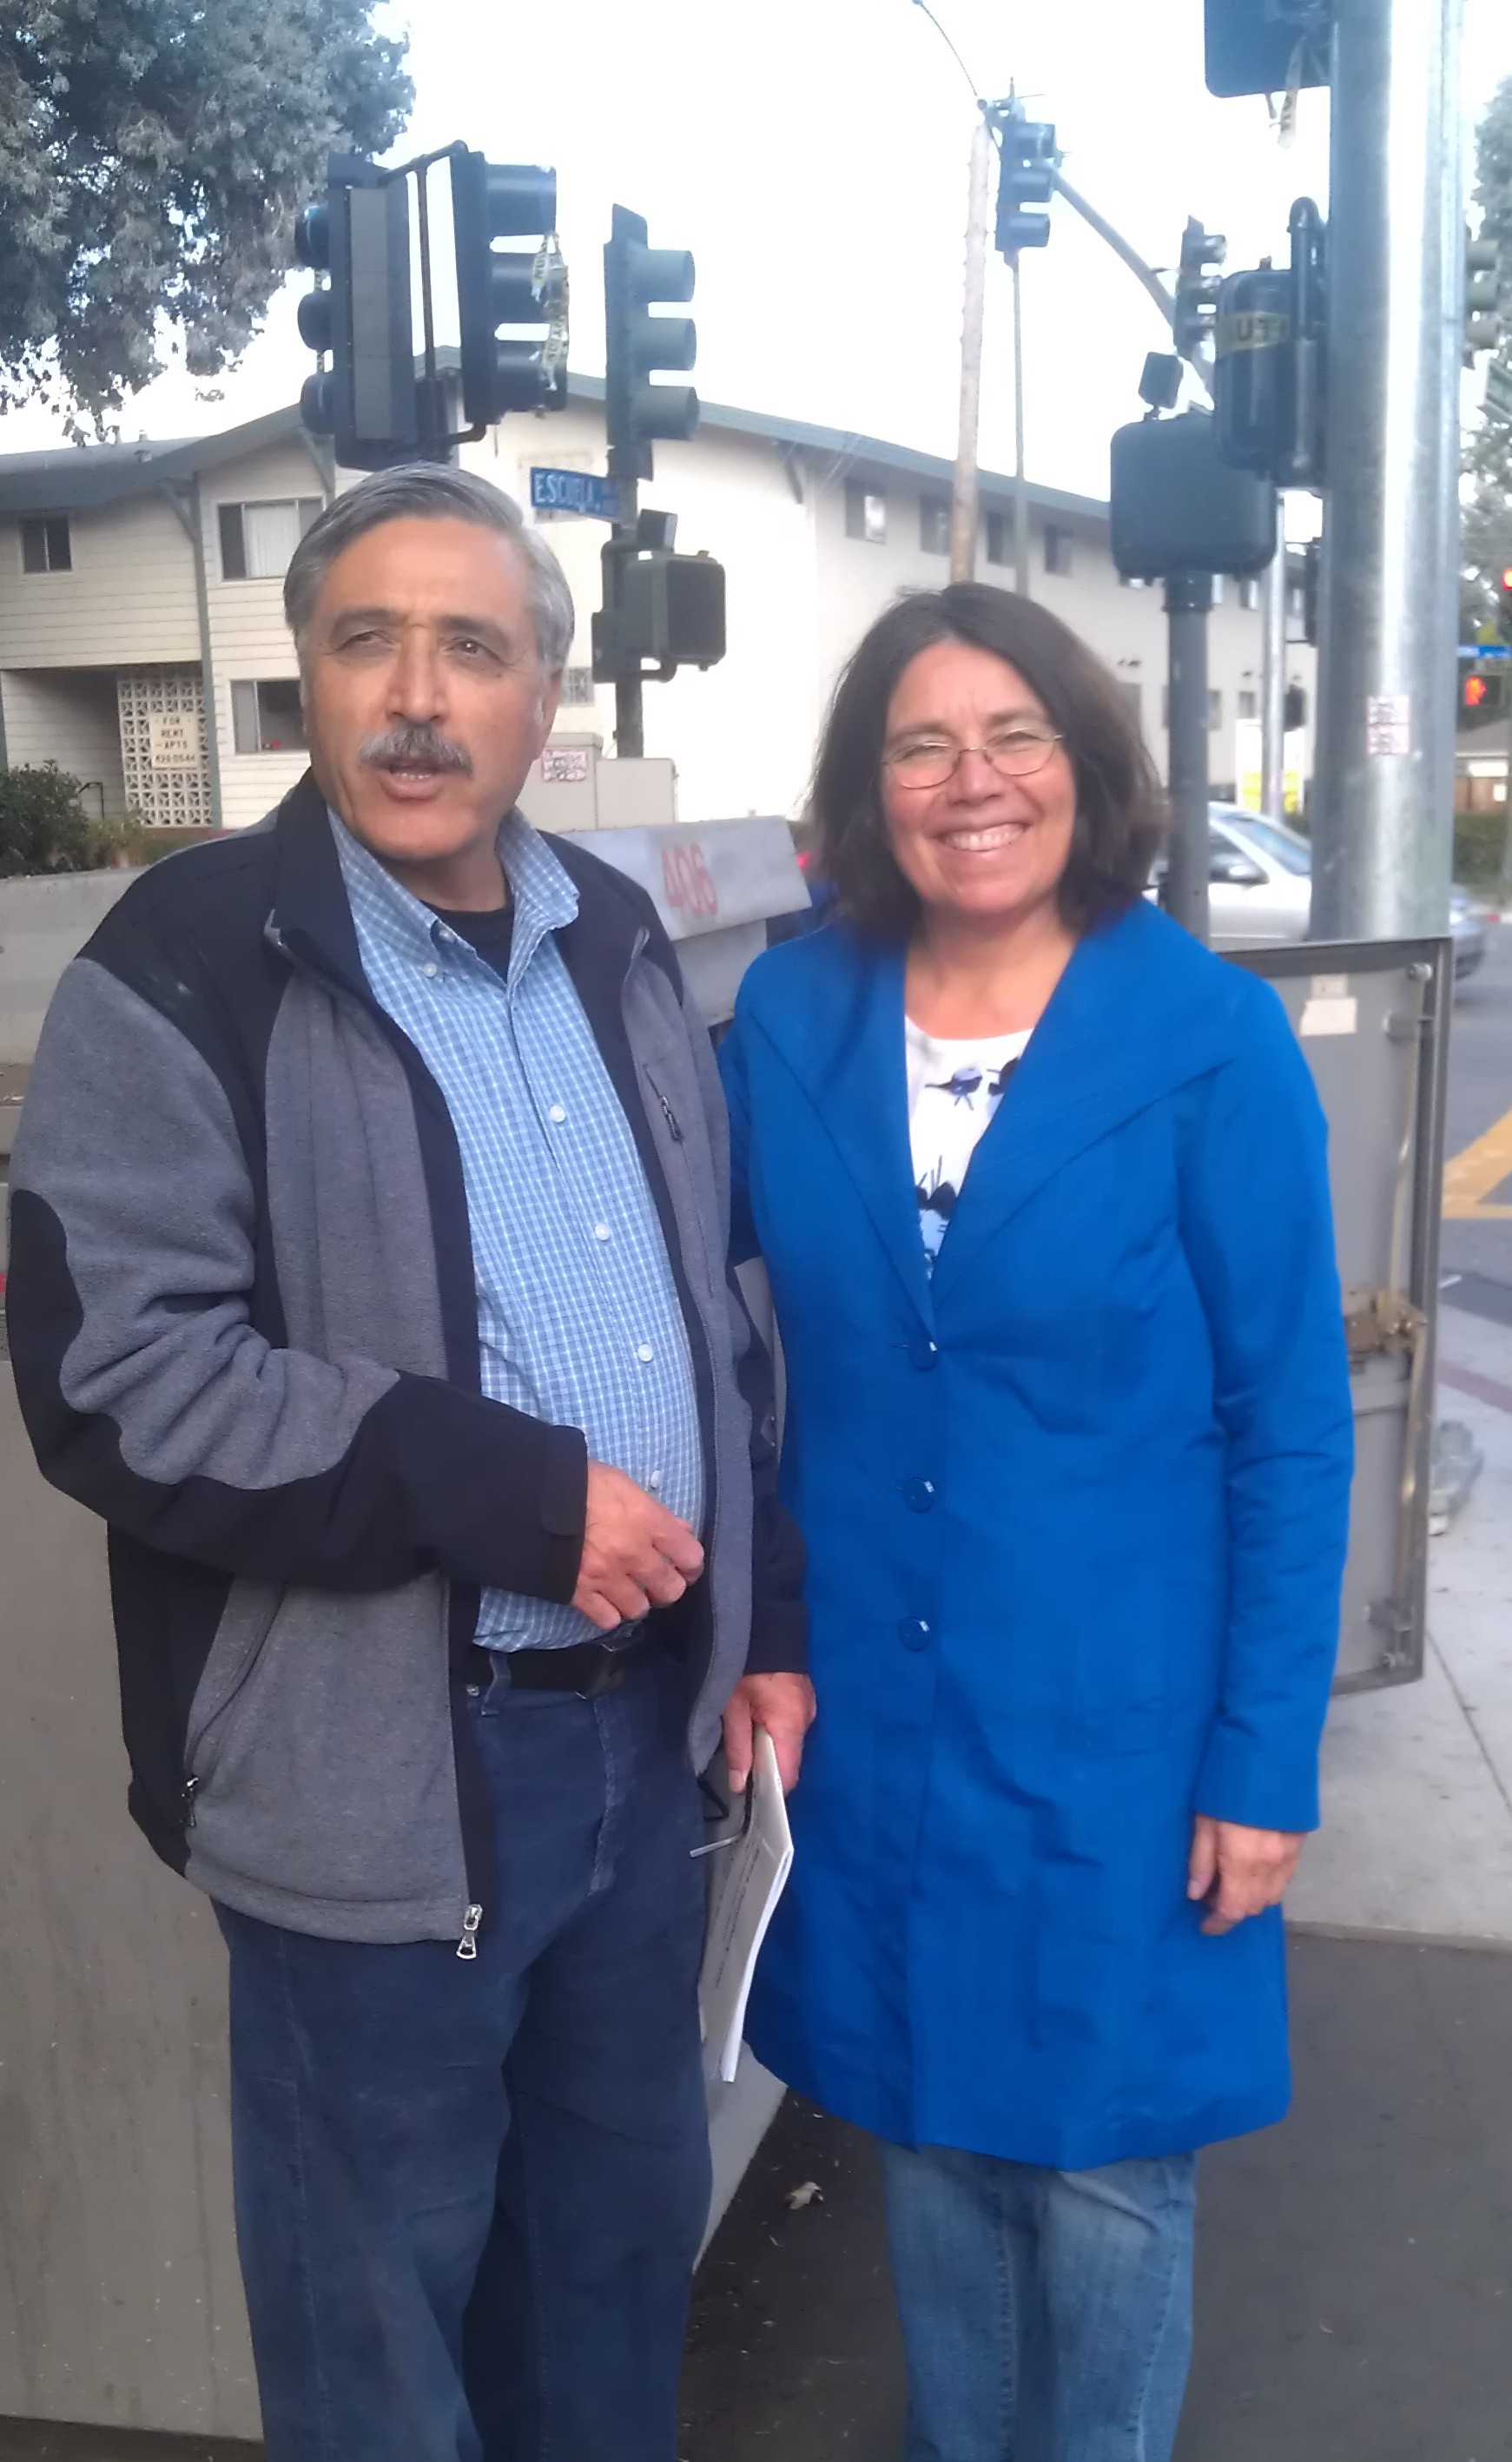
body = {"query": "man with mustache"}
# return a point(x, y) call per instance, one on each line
point(367, 1276)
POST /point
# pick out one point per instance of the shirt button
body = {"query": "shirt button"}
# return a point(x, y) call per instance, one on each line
point(918, 1494)
point(430, 967)
point(654, 1479)
point(645, 1351)
point(601, 1231)
point(556, 1114)
point(913, 1633)
point(924, 1352)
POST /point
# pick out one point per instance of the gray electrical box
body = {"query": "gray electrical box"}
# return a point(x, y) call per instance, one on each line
point(1372, 1020)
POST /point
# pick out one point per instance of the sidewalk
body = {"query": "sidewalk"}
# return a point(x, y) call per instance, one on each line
point(1417, 1782)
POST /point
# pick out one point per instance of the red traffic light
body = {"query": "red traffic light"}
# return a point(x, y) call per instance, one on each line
point(1475, 691)
point(1506, 577)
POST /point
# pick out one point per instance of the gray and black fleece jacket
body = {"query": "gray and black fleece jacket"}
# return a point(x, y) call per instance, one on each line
point(242, 1323)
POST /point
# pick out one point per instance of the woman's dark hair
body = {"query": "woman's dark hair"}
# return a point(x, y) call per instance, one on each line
point(1120, 811)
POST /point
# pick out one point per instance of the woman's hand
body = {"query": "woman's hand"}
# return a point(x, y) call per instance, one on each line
point(784, 1706)
point(1238, 1872)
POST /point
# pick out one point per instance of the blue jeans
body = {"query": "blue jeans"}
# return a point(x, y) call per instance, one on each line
point(1046, 2315)
point(469, 2194)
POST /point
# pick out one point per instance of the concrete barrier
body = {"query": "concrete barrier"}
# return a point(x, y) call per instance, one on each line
point(120, 2301)
point(45, 921)
point(714, 884)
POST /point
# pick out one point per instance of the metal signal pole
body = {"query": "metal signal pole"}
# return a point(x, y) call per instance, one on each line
point(1383, 784)
point(1188, 599)
point(1274, 676)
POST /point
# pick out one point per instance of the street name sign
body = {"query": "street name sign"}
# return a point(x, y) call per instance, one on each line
point(574, 492)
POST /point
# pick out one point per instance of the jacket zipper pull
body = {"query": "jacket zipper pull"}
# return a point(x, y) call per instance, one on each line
point(670, 1116)
point(467, 1946)
point(191, 1788)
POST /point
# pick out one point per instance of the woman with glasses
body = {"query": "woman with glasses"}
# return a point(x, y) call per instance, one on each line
point(1041, 1187)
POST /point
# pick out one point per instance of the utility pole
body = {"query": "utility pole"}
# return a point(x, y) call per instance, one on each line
point(1273, 674)
point(1188, 599)
point(1021, 493)
point(963, 495)
point(1383, 785)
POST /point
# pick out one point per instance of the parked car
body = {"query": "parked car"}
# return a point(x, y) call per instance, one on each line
point(1260, 888)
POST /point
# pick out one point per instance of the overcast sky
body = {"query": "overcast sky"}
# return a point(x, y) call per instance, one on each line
point(813, 154)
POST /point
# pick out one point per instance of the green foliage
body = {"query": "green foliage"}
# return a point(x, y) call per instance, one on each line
point(1480, 838)
point(1486, 535)
point(152, 156)
point(42, 825)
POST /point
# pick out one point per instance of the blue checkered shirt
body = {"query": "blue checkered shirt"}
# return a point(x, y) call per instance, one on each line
point(578, 1316)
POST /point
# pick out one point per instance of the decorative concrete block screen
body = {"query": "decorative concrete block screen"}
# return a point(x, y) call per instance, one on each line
point(163, 752)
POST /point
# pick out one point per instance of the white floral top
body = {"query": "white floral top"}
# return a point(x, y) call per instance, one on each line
point(954, 1089)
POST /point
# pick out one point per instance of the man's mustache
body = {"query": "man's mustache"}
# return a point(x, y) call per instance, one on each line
point(417, 747)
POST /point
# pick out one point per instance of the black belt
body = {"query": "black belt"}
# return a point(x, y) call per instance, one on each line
point(586, 1668)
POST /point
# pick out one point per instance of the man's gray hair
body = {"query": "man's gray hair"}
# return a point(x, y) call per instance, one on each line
point(431, 491)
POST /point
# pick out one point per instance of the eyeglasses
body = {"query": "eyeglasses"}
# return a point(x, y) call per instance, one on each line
point(1016, 753)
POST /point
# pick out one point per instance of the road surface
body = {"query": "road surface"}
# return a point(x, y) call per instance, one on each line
point(1476, 1244)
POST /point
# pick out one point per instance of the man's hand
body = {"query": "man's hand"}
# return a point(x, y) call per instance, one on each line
point(635, 1554)
point(1238, 1872)
point(784, 1706)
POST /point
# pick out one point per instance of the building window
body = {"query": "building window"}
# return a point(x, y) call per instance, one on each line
point(45, 544)
point(1057, 547)
point(1250, 594)
point(865, 513)
point(1248, 703)
point(267, 717)
point(1296, 603)
point(577, 688)
point(258, 540)
point(1000, 538)
point(1215, 712)
point(934, 525)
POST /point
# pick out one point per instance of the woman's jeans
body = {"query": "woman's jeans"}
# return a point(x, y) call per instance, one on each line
point(1046, 2315)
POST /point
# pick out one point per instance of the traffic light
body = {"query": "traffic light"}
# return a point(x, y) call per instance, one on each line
point(1267, 46)
point(1267, 370)
point(1252, 336)
point(1174, 508)
point(1485, 297)
point(1025, 183)
point(1482, 697)
point(637, 278)
point(1505, 604)
point(1198, 284)
point(367, 400)
point(672, 609)
point(659, 607)
point(493, 201)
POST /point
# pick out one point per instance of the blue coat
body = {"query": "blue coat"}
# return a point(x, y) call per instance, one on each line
point(1077, 1515)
